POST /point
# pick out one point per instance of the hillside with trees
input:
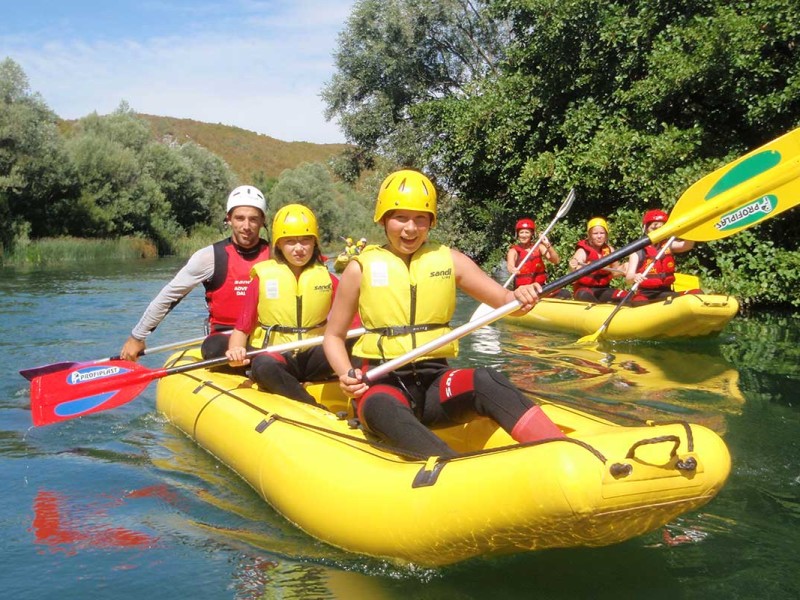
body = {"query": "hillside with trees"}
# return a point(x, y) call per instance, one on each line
point(154, 179)
point(250, 155)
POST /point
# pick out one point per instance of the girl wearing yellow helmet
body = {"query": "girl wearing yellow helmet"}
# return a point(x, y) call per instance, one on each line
point(594, 287)
point(405, 293)
point(288, 299)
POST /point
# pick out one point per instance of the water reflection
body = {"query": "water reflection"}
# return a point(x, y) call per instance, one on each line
point(276, 558)
point(634, 381)
point(767, 352)
point(69, 524)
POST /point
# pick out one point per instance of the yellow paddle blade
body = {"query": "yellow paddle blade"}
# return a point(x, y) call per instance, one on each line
point(591, 338)
point(755, 187)
point(685, 282)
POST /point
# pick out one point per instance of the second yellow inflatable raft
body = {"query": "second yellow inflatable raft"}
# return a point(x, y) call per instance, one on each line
point(679, 317)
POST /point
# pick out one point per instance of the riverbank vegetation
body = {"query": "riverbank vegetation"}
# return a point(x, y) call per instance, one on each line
point(506, 104)
point(510, 103)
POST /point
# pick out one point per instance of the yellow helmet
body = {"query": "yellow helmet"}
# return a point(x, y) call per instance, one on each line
point(595, 222)
point(406, 189)
point(294, 220)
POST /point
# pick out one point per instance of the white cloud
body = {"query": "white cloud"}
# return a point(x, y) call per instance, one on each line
point(265, 74)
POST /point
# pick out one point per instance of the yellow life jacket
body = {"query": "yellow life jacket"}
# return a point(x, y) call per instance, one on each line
point(403, 307)
point(290, 309)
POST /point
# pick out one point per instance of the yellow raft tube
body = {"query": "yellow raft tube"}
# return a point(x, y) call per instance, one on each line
point(693, 315)
point(601, 485)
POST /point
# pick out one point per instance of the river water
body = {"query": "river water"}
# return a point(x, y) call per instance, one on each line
point(120, 504)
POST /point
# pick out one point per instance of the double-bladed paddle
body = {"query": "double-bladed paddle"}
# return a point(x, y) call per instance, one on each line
point(95, 387)
point(32, 372)
point(483, 308)
point(592, 337)
point(751, 189)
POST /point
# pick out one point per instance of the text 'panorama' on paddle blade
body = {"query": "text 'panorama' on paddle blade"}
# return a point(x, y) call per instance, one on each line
point(86, 389)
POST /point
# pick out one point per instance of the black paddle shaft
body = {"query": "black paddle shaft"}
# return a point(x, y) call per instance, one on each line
point(595, 265)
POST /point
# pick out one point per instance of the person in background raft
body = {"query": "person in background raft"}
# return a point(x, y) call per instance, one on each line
point(657, 284)
point(288, 300)
point(360, 245)
point(595, 286)
point(350, 248)
point(405, 293)
point(224, 270)
point(531, 270)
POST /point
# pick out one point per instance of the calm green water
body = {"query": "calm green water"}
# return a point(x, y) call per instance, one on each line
point(122, 505)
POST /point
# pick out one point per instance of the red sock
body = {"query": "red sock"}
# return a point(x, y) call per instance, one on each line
point(535, 425)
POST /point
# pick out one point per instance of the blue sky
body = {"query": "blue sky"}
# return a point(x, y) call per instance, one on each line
point(259, 65)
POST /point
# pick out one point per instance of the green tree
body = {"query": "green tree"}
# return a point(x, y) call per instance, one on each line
point(341, 210)
point(630, 102)
point(32, 165)
point(394, 54)
point(129, 184)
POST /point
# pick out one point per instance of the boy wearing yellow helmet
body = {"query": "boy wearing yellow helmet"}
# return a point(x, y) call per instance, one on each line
point(405, 293)
point(594, 287)
point(288, 299)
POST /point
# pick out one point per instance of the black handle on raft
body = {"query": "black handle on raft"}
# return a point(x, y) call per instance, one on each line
point(690, 464)
point(656, 440)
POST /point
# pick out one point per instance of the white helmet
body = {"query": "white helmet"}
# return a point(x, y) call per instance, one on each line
point(246, 195)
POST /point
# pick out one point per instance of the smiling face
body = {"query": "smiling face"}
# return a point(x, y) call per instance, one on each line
point(406, 230)
point(246, 222)
point(524, 236)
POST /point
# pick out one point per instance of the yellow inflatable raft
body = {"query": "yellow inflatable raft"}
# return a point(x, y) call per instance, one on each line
point(341, 261)
point(601, 485)
point(679, 317)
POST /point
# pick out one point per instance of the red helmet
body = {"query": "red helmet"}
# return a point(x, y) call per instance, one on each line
point(653, 216)
point(525, 224)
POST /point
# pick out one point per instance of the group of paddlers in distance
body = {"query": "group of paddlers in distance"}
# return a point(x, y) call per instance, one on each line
point(651, 269)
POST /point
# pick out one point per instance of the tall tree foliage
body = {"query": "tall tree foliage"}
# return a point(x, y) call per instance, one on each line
point(340, 210)
point(395, 54)
point(32, 166)
point(630, 102)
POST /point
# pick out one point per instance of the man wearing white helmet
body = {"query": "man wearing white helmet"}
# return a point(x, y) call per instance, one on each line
point(224, 270)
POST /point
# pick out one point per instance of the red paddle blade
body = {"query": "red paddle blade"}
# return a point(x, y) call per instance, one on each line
point(31, 373)
point(86, 389)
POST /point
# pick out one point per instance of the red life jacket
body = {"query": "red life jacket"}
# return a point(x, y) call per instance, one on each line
point(662, 275)
point(226, 289)
point(599, 278)
point(533, 270)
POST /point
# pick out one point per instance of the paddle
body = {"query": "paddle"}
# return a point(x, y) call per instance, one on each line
point(685, 282)
point(751, 189)
point(483, 309)
point(29, 374)
point(591, 338)
point(91, 388)
point(608, 269)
